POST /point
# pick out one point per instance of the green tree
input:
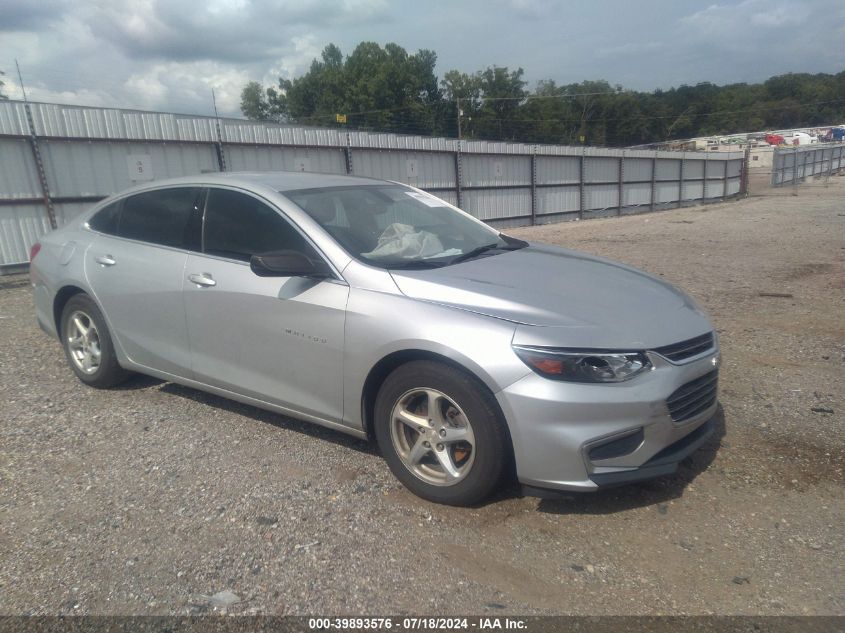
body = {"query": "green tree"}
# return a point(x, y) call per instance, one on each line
point(378, 88)
point(388, 89)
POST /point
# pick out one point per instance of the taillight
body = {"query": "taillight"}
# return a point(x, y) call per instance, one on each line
point(34, 250)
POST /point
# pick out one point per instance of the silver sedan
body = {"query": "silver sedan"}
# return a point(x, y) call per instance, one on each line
point(376, 309)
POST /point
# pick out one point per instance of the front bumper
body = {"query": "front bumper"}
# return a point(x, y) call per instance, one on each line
point(556, 426)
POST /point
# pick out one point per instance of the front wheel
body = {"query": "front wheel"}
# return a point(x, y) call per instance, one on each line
point(440, 432)
point(88, 345)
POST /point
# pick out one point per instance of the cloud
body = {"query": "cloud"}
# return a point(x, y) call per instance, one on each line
point(168, 54)
point(750, 19)
point(235, 31)
point(189, 85)
point(23, 15)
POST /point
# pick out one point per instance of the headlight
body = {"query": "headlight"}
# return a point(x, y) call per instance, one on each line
point(583, 365)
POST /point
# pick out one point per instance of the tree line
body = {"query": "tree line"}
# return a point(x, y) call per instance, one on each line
point(387, 89)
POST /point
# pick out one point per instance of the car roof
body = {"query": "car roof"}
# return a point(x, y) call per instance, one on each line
point(277, 180)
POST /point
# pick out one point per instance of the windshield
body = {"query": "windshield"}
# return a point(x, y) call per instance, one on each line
point(391, 226)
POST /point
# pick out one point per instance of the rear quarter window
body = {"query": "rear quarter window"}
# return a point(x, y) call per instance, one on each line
point(105, 220)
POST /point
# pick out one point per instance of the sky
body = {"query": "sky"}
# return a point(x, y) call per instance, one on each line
point(168, 55)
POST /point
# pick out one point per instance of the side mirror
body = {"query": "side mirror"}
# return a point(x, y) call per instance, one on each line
point(288, 264)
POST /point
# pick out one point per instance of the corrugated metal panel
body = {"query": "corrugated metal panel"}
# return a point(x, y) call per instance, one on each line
point(693, 169)
point(509, 224)
point(734, 168)
point(150, 126)
point(636, 194)
point(733, 186)
point(66, 211)
point(637, 169)
point(604, 151)
point(486, 171)
point(668, 169)
point(18, 174)
point(100, 168)
point(714, 189)
point(693, 190)
point(554, 170)
point(192, 129)
point(601, 169)
point(263, 158)
point(496, 147)
point(449, 196)
point(420, 169)
point(640, 153)
point(558, 200)
point(601, 196)
point(666, 192)
point(20, 227)
point(715, 168)
point(13, 118)
point(384, 140)
point(487, 204)
point(557, 150)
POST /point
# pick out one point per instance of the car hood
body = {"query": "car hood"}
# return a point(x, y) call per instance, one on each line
point(568, 298)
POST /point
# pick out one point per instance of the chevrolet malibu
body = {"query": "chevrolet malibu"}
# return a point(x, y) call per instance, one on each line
point(376, 309)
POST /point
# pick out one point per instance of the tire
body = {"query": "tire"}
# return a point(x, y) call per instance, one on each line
point(90, 355)
point(468, 448)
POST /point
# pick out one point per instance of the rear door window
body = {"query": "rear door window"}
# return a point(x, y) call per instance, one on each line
point(167, 217)
point(238, 226)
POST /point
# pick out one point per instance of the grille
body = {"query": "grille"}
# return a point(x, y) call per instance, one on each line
point(687, 349)
point(694, 397)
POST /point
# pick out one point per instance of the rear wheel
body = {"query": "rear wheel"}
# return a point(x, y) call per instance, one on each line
point(88, 345)
point(440, 432)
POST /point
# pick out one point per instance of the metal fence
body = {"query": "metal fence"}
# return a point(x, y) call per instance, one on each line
point(57, 160)
point(791, 165)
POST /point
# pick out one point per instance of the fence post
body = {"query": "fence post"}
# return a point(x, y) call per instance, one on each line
point(681, 182)
point(777, 168)
point(743, 174)
point(581, 192)
point(39, 165)
point(218, 144)
point(533, 185)
point(621, 182)
point(653, 182)
point(347, 153)
point(459, 194)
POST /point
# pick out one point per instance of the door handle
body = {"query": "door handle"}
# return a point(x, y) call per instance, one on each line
point(202, 279)
point(105, 260)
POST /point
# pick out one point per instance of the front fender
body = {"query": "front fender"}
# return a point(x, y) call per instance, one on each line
point(380, 324)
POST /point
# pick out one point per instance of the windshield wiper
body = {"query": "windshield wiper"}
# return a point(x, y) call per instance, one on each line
point(509, 245)
point(414, 263)
point(474, 253)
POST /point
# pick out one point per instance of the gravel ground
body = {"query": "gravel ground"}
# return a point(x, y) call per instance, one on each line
point(157, 499)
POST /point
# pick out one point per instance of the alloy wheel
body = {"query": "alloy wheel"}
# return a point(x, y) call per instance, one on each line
point(83, 341)
point(432, 436)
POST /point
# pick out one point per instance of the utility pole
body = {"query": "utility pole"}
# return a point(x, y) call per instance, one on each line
point(458, 103)
point(218, 145)
point(20, 79)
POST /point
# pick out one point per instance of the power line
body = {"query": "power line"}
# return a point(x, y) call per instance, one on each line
point(446, 115)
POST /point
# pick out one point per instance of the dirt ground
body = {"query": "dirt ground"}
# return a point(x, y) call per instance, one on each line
point(152, 498)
